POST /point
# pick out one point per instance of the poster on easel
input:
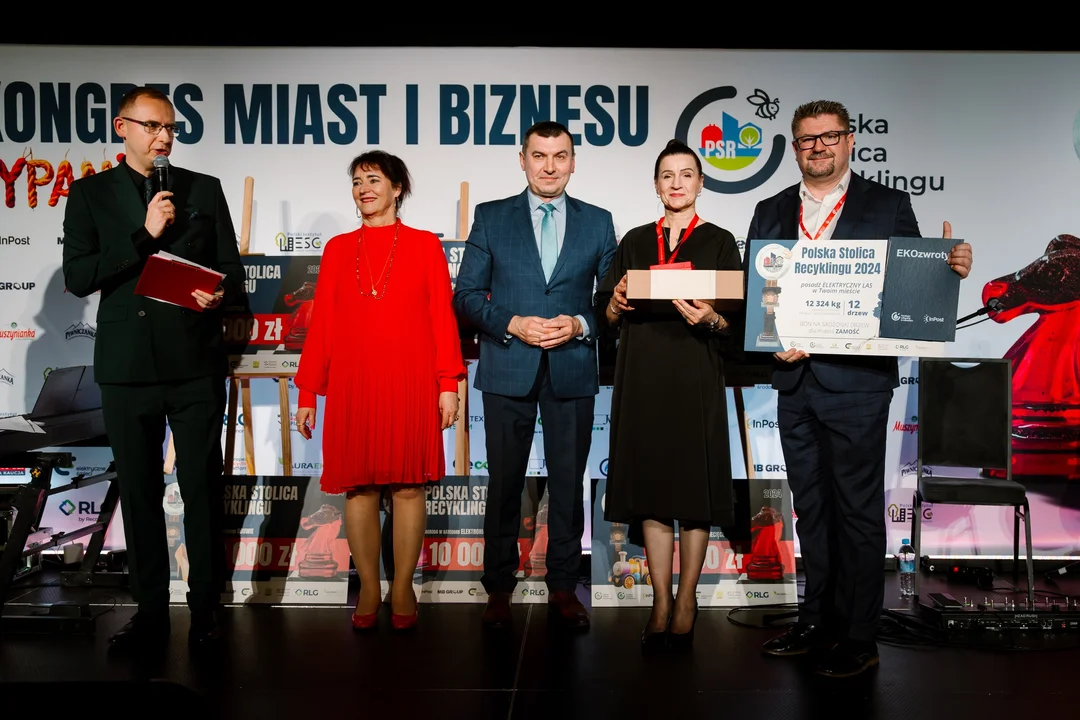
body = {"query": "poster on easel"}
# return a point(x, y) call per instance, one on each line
point(284, 542)
point(266, 336)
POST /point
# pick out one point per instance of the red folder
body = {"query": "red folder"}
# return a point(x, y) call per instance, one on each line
point(674, 266)
point(171, 279)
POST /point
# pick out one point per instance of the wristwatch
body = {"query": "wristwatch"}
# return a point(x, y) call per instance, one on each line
point(713, 325)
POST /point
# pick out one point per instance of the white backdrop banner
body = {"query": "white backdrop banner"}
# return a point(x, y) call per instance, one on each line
point(972, 136)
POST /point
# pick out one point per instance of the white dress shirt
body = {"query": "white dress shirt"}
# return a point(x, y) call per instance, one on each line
point(814, 211)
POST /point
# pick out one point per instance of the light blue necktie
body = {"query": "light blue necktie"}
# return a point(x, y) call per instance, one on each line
point(549, 241)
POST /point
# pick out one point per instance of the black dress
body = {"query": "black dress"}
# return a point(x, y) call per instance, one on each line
point(670, 457)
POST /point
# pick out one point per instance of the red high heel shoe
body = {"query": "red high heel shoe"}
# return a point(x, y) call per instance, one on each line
point(402, 623)
point(363, 623)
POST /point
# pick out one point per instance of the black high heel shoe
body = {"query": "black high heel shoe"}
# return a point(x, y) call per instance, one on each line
point(683, 641)
point(656, 640)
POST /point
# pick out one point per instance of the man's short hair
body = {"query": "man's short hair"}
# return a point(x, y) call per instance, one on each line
point(548, 129)
point(133, 95)
point(817, 108)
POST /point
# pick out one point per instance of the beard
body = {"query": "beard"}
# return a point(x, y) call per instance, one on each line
point(818, 170)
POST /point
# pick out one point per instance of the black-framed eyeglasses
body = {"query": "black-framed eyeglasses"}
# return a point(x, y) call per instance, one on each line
point(154, 128)
point(807, 142)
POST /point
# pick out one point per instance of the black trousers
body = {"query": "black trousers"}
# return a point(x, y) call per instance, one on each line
point(135, 416)
point(510, 426)
point(834, 449)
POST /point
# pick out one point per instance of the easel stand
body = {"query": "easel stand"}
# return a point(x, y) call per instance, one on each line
point(241, 385)
point(462, 459)
point(22, 557)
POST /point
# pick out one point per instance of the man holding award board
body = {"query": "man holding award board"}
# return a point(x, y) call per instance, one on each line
point(819, 298)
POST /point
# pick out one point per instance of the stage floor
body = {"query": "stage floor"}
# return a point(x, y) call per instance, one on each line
point(292, 662)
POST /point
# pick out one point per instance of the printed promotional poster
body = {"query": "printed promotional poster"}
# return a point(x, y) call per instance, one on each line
point(452, 559)
point(267, 336)
point(752, 563)
point(284, 542)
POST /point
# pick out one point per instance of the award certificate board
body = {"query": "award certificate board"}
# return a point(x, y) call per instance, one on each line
point(821, 297)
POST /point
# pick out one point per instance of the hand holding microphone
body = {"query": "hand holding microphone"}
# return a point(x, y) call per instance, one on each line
point(161, 212)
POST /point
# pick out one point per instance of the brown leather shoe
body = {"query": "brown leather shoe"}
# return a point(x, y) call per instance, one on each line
point(568, 610)
point(497, 613)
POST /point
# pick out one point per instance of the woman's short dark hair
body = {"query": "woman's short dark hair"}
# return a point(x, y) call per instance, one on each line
point(389, 165)
point(675, 147)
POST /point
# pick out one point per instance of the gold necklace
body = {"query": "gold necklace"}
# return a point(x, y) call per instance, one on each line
point(387, 266)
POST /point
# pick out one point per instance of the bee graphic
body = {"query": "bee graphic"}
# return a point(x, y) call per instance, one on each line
point(767, 107)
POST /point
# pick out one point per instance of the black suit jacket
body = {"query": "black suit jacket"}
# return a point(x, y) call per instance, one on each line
point(105, 249)
point(871, 211)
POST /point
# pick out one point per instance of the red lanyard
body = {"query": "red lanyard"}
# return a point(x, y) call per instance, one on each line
point(827, 220)
point(660, 249)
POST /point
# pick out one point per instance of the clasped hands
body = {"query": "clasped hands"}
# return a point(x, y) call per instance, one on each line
point(959, 260)
point(695, 312)
point(544, 333)
point(448, 414)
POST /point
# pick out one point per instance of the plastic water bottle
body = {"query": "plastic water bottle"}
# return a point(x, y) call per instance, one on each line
point(906, 558)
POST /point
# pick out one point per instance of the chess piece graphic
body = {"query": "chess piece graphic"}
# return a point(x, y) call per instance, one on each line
point(766, 529)
point(770, 299)
point(325, 526)
point(1045, 360)
point(303, 299)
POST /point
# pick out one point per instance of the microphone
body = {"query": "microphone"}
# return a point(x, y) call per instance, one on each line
point(993, 304)
point(161, 174)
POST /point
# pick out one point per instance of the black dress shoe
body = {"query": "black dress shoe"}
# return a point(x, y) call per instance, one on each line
point(848, 658)
point(798, 639)
point(564, 606)
point(497, 613)
point(142, 630)
point(204, 630)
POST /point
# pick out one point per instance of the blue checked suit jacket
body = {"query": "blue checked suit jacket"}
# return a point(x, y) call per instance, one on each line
point(501, 276)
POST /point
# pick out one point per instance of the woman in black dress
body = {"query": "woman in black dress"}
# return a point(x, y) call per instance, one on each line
point(669, 458)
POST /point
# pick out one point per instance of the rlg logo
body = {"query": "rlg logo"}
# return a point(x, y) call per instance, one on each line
point(67, 507)
point(751, 595)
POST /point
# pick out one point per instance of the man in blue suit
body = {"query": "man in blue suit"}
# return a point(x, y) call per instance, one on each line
point(833, 410)
point(527, 278)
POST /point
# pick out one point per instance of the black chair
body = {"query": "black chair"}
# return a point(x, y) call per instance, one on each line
point(965, 421)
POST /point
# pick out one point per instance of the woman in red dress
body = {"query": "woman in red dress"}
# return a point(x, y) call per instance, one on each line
point(383, 348)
